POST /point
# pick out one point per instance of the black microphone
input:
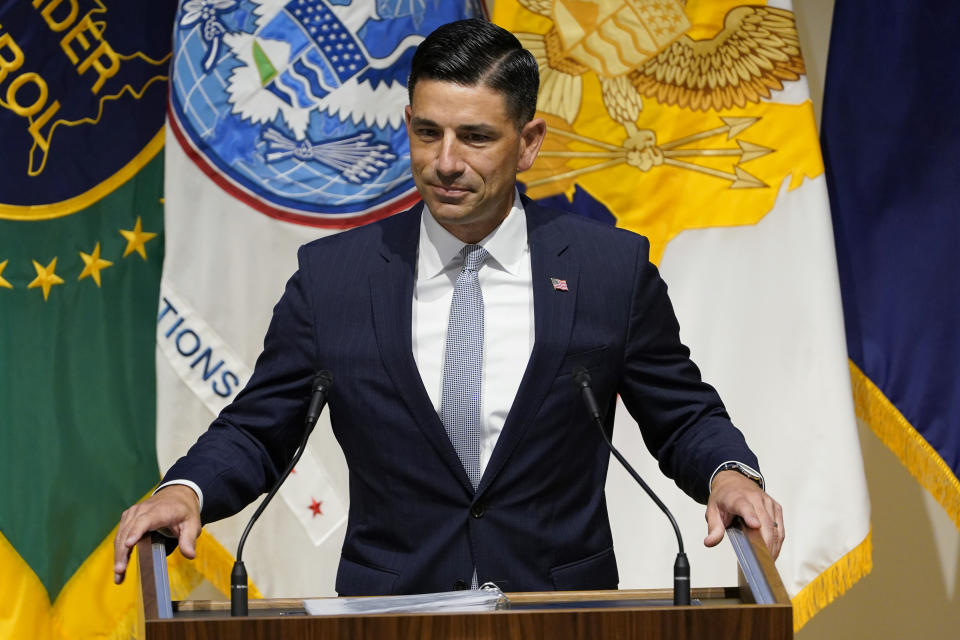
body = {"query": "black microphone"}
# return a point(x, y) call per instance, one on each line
point(681, 568)
point(238, 577)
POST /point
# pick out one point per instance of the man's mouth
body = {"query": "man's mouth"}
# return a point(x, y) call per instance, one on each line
point(449, 191)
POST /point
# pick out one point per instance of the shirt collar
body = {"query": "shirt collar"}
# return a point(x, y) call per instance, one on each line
point(507, 244)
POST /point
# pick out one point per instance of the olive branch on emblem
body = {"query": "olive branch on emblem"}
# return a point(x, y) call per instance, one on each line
point(353, 157)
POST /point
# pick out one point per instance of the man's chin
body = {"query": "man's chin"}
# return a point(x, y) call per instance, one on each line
point(451, 212)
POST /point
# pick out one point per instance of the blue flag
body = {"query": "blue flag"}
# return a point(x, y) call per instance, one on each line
point(890, 140)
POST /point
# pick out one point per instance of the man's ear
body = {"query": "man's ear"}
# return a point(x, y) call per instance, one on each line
point(531, 138)
point(407, 114)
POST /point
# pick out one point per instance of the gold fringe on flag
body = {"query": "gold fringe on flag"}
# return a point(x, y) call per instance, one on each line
point(916, 454)
point(833, 582)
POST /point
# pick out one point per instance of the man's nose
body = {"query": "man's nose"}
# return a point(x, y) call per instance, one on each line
point(449, 159)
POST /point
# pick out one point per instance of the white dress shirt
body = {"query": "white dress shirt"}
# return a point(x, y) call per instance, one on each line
point(507, 286)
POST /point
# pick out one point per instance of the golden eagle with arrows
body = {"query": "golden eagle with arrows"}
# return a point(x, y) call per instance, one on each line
point(640, 48)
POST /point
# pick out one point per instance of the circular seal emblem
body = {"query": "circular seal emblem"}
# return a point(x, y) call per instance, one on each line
point(296, 106)
point(82, 91)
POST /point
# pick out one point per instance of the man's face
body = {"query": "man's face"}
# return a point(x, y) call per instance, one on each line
point(465, 152)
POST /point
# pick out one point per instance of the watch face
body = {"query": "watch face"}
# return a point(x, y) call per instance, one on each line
point(744, 470)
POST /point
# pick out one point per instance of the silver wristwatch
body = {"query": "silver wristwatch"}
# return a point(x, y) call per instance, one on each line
point(741, 469)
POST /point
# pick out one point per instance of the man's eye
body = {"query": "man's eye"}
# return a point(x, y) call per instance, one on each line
point(427, 133)
point(477, 138)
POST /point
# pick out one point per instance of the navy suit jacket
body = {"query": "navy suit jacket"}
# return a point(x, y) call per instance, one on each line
point(538, 519)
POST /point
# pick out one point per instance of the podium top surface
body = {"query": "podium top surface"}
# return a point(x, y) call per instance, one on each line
point(728, 613)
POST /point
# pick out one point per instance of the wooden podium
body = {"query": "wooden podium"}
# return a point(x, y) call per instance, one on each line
point(756, 609)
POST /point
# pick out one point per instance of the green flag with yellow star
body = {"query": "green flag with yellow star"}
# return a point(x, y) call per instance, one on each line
point(83, 89)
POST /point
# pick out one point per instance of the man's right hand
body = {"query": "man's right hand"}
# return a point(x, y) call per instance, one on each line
point(174, 508)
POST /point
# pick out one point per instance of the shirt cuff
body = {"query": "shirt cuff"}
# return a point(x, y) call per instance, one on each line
point(192, 485)
point(763, 484)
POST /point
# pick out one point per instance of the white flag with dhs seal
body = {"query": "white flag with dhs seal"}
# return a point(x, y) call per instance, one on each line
point(286, 124)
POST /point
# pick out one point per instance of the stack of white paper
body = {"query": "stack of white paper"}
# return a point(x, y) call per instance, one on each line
point(487, 598)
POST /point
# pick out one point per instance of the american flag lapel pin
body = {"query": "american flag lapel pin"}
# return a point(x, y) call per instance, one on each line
point(559, 285)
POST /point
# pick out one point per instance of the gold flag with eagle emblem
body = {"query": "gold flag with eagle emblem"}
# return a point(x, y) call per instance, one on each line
point(691, 123)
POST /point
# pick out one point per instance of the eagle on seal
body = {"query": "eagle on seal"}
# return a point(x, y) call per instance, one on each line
point(639, 48)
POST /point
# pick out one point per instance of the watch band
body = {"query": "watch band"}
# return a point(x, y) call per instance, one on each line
point(742, 469)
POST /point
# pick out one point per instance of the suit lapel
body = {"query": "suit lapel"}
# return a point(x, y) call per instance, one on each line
point(391, 294)
point(553, 311)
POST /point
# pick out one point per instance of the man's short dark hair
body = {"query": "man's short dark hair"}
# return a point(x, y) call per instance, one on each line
point(474, 51)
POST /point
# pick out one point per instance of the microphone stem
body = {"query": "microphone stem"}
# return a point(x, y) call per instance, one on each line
point(640, 481)
point(681, 567)
point(238, 578)
point(273, 492)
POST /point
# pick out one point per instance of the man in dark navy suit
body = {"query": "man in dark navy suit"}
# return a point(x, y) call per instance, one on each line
point(453, 331)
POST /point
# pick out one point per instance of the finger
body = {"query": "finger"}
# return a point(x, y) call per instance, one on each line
point(121, 546)
point(772, 516)
point(134, 524)
point(748, 513)
point(769, 526)
point(768, 535)
point(715, 526)
point(120, 561)
point(138, 527)
point(121, 552)
point(187, 540)
point(780, 530)
point(118, 548)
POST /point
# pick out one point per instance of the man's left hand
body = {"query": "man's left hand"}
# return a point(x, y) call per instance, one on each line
point(733, 494)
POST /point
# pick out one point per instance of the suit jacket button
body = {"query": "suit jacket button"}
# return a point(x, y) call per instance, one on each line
point(477, 510)
point(459, 585)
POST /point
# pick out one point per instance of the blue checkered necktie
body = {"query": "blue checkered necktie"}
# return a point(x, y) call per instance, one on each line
point(462, 364)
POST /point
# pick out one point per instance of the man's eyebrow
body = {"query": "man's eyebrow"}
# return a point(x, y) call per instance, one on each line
point(485, 129)
point(423, 122)
point(477, 128)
